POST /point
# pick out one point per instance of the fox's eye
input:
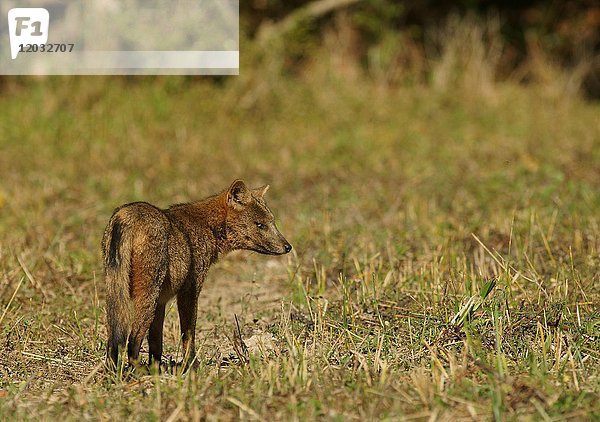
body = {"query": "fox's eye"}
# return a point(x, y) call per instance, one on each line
point(261, 226)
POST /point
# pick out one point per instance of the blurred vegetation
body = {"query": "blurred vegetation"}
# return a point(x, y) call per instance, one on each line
point(441, 193)
point(411, 35)
point(567, 31)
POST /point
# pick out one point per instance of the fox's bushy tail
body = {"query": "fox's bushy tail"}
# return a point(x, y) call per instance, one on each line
point(116, 248)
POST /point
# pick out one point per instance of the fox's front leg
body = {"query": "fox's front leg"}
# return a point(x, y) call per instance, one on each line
point(187, 304)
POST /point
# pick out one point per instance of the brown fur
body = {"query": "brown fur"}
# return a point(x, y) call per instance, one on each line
point(152, 255)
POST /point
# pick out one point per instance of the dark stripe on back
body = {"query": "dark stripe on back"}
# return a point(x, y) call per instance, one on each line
point(115, 242)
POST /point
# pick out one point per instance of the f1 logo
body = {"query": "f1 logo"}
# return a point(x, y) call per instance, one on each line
point(27, 25)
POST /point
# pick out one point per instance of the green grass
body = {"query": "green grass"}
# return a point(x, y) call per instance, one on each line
point(403, 203)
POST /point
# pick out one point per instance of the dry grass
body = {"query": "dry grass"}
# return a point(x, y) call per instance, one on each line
point(403, 204)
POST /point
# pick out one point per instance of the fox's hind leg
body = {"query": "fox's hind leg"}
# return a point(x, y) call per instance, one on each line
point(147, 276)
point(155, 336)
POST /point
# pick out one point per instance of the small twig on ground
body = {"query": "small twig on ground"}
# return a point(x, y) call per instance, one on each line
point(238, 343)
point(10, 301)
point(35, 284)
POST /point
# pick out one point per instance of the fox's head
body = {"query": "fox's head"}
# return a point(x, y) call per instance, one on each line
point(250, 223)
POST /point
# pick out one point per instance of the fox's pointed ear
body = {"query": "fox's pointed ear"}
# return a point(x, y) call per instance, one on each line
point(238, 194)
point(260, 192)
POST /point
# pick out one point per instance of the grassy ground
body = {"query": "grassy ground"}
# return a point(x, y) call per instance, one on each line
point(404, 203)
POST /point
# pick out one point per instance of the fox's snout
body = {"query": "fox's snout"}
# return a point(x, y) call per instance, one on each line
point(273, 245)
point(285, 247)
